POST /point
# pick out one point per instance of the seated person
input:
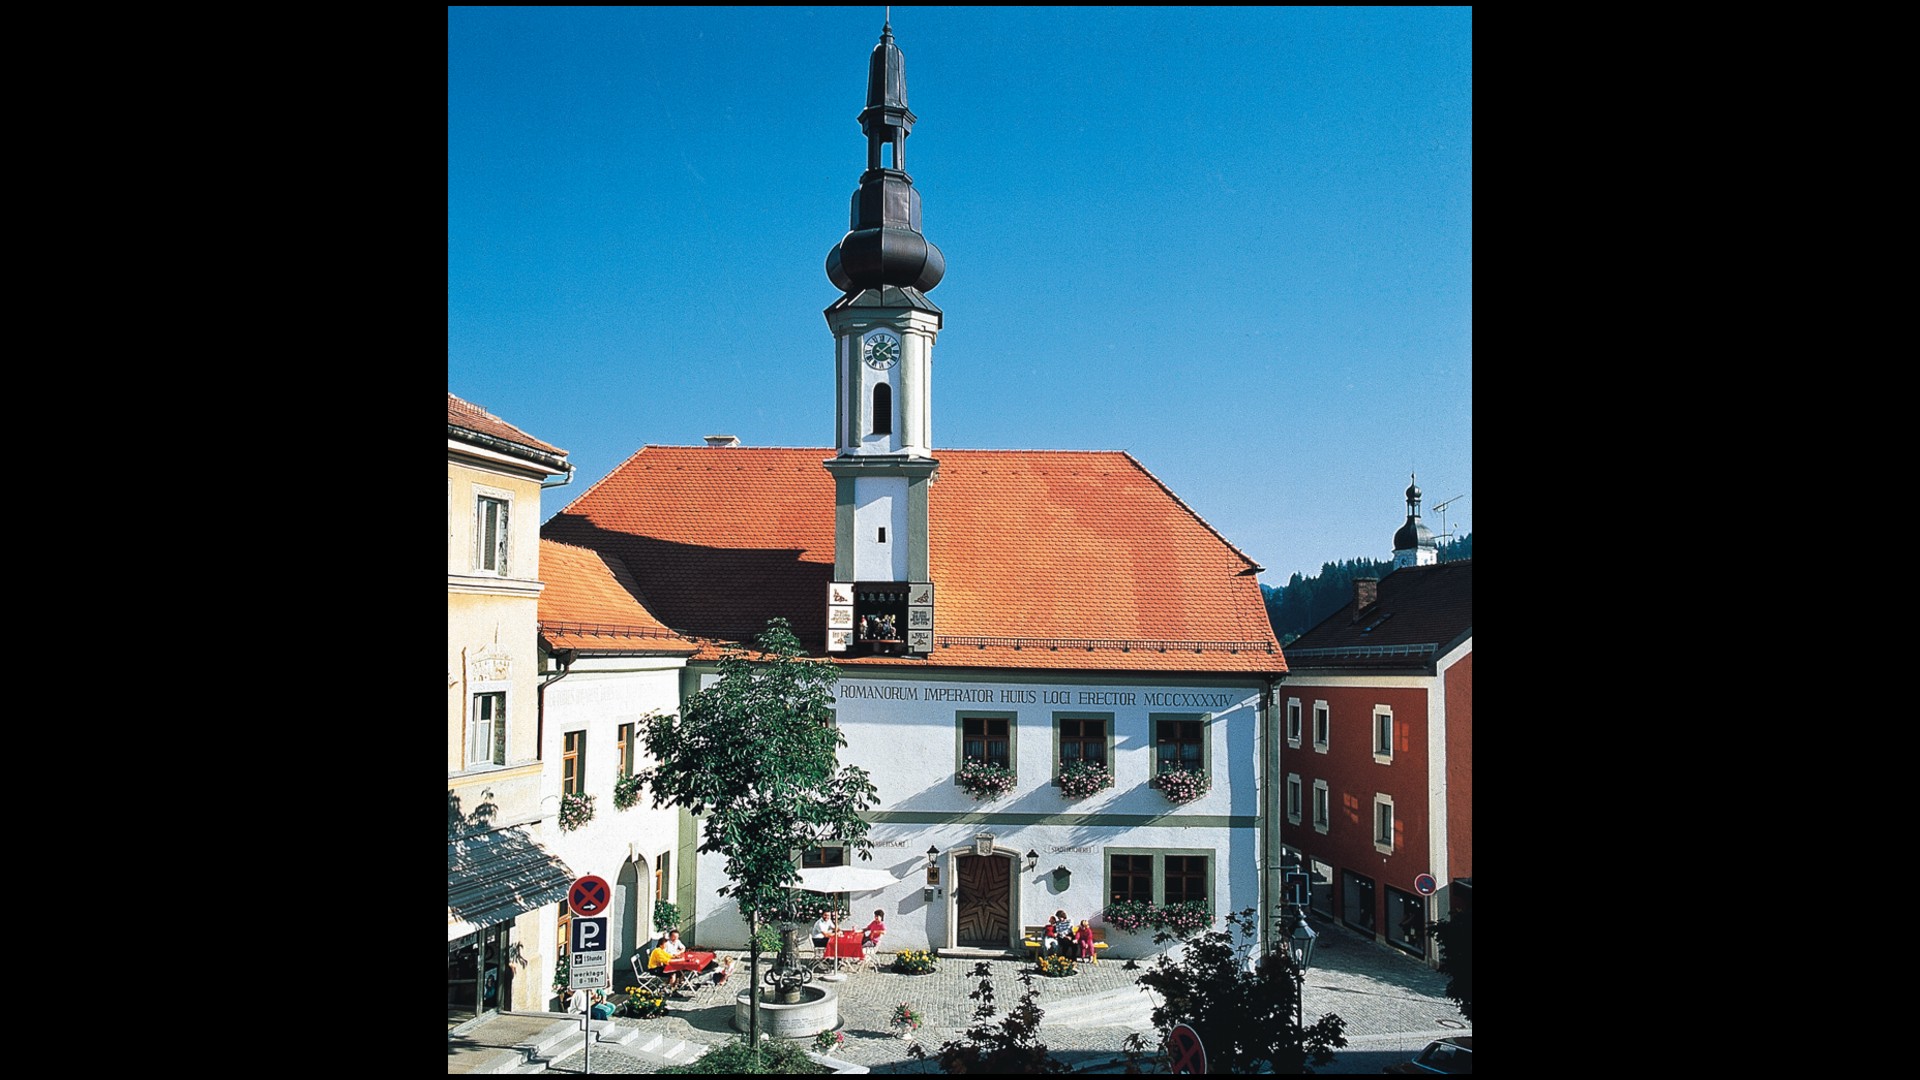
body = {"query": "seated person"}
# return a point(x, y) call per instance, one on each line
point(870, 937)
point(657, 963)
point(823, 929)
point(1083, 941)
point(678, 948)
point(1056, 936)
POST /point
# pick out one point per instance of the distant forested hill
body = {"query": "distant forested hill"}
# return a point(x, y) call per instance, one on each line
point(1300, 604)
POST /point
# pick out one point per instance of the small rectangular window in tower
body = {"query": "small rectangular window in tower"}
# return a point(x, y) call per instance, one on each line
point(883, 534)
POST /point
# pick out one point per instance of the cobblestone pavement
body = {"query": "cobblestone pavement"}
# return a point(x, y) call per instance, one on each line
point(1393, 1005)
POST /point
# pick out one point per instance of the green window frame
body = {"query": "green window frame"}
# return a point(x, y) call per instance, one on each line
point(1178, 731)
point(1070, 733)
point(1191, 870)
point(982, 738)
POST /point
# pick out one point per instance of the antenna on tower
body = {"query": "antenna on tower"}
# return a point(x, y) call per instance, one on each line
point(1441, 509)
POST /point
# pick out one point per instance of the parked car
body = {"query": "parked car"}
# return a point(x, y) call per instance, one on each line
point(1450, 1055)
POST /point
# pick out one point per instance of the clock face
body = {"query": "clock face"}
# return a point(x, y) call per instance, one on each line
point(883, 351)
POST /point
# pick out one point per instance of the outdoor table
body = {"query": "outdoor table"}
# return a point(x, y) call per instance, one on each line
point(691, 960)
point(844, 945)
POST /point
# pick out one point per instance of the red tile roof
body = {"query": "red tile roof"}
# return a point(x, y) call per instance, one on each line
point(465, 414)
point(1421, 612)
point(1082, 559)
point(592, 604)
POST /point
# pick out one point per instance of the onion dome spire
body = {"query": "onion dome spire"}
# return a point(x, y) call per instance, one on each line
point(1414, 535)
point(883, 245)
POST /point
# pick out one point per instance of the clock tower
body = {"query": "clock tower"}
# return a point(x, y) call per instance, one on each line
point(884, 327)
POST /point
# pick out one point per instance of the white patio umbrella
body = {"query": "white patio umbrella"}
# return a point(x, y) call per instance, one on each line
point(852, 880)
point(847, 879)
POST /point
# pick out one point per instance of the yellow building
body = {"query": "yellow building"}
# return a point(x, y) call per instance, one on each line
point(501, 879)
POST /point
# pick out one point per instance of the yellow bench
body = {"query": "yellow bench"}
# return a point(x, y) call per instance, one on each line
point(1033, 936)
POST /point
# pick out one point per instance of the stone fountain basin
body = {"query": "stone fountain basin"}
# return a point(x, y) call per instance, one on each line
point(818, 1010)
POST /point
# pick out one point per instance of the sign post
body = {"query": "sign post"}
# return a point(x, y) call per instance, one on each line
point(589, 898)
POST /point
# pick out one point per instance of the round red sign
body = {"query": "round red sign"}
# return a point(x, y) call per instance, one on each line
point(589, 895)
point(1185, 1055)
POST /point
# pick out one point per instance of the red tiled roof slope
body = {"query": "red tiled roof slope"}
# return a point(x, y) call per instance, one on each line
point(1417, 606)
point(1053, 547)
point(591, 603)
point(474, 418)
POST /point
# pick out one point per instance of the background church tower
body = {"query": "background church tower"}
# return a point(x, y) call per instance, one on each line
point(884, 327)
point(1414, 545)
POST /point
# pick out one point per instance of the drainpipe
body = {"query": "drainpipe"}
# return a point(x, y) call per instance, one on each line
point(564, 658)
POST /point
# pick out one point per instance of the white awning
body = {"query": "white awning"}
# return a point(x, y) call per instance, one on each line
point(845, 879)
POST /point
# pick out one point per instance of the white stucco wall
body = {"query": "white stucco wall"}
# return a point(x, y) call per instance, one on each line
point(622, 846)
point(904, 732)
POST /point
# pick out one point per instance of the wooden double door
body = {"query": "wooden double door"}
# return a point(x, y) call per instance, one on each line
point(981, 901)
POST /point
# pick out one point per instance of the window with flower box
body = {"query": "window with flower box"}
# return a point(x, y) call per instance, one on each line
point(986, 738)
point(573, 763)
point(1082, 738)
point(1159, 876)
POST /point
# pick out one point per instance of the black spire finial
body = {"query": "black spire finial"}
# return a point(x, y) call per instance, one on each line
point(883, 245)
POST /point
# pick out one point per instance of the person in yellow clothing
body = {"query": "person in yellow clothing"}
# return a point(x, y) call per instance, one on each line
point(657, 962)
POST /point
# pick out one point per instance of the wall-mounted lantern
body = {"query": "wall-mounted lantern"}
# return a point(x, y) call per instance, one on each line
point(933, 874)
point(1033, 858)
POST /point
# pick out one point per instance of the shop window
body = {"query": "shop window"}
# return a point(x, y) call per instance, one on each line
point(1357, 901)
point(1406, 920)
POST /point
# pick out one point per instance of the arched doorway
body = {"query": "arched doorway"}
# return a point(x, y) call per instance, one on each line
point(633, 898)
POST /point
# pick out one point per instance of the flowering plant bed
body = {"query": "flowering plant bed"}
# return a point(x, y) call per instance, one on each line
point(1082, 778)
point(642, 1004)
point(915, 962)
point(575, 810)
point(984, 781)
point(828, 1041)
point(1183, 785)
point(1057, 967)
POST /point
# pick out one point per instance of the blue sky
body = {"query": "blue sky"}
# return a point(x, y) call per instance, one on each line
point(1235, 242)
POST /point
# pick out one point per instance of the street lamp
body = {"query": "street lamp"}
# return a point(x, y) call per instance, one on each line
point(1300, 948)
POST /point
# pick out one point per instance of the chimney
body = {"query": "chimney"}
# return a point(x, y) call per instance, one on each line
point(1366, 593)
point(722, 440)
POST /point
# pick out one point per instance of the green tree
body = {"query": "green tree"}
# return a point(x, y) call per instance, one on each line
point(755, 757)
point(1455, 935)
point(1248, 1020)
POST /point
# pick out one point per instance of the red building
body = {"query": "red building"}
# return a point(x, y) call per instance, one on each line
point(1376, 756)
